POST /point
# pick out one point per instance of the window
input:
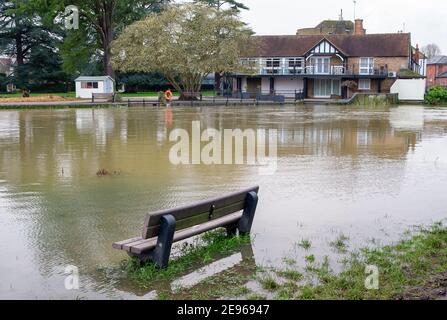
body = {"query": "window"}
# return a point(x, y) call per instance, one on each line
point(273, 65)
point(365, 84)
point(321, 65)
point(252, 62)
point(295, 65)
point(89, 85)
point(366, 65)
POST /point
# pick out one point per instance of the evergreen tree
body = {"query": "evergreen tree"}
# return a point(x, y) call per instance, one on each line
point(100, 22)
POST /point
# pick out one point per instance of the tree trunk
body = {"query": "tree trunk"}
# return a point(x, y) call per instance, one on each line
point(108, 42)
point(108, 69)
point(104, 26)
point(19, 50)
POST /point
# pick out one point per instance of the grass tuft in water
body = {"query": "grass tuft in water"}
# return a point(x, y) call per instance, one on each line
point(269, 284)
point(305, 244)
point(290, 275)
point(340, 243)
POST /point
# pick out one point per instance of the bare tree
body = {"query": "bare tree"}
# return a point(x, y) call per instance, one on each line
point(431, 50)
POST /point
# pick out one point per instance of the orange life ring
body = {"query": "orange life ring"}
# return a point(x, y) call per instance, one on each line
point(168, 95)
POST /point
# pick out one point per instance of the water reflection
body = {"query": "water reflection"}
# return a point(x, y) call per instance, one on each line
point(200, 278)
point(340, 170)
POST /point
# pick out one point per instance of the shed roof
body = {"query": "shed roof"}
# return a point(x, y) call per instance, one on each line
point(93, 78)
point(371, 45)
point(5, 64)
point(437, 60)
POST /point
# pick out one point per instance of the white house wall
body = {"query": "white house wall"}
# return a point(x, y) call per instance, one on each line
point(265, 85)
point(287, 86)
point(283, 86)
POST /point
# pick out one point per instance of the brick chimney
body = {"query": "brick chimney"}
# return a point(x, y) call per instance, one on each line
point(358, 29)
point(417, 54)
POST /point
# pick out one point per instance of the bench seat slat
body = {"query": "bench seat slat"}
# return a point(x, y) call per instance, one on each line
point(128, 246)
point(119, 245)
point(149, 244)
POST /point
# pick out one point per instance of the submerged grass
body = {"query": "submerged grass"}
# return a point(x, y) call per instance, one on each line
point(408, 269)
point(199, 252)
point(340, 243)
point(411, 263)
point(305, 244)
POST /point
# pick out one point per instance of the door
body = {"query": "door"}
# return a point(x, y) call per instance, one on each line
point(325, 88)
point(254, 86)
point(321, 65)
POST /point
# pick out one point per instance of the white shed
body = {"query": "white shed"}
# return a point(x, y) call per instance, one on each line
point(410, 89)
point(86, 86)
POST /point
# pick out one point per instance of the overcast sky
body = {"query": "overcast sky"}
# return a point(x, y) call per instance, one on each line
point(425, 19)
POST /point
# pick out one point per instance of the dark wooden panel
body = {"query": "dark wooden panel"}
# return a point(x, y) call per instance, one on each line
point(200, 218)
point(149, 244)
point(153, 219)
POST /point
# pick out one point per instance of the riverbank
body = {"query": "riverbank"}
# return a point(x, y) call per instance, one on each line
point(413, 268)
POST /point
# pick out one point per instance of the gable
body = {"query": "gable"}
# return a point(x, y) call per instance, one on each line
point(324, 47)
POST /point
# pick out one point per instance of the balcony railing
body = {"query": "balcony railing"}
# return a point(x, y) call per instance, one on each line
point(286, 69)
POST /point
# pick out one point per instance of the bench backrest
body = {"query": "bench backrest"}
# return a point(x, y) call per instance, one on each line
point(198, 213)
point(102, 95)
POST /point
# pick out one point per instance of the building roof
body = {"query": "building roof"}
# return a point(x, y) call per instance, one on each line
point(93, 78)
point(329, 27)
point(437, 60)
point(5, 65)
point(371, 45)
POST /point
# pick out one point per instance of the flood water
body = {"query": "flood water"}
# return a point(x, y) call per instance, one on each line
point(369, 174)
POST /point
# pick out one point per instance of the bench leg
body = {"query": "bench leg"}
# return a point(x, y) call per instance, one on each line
point(160, 255)
point(246, 221)
point(231, 230)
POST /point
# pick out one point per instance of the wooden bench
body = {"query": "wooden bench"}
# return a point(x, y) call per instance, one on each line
point(109, 97)
point(161, 229)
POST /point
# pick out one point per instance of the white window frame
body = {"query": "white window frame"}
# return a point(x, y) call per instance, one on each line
point(365, 81)
point(273, 65)
point(292, 62)
point(367, 68)
point(329, 84)
point(320, 64)
point(89, 84)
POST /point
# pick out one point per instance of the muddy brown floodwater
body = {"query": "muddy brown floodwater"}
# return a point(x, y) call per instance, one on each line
point(368, 174)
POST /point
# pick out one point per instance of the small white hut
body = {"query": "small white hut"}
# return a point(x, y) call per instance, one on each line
point(86, 86)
